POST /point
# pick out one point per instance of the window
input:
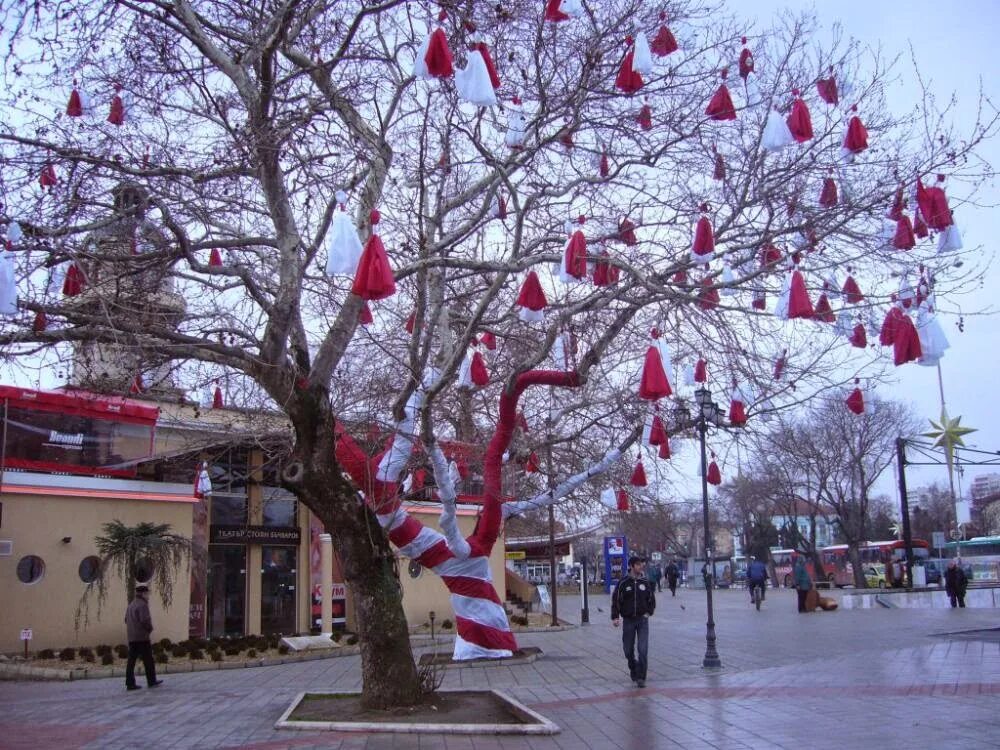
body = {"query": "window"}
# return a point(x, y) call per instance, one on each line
point(30, 569)
point(229, 509)
point(279, 508)
point(144, 571)
point(89, 568)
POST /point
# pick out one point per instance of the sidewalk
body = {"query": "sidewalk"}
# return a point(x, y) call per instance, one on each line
point(824, 680)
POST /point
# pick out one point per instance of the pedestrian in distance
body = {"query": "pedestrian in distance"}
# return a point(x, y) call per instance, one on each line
point(633, 601)
point(756, 580)
point(673, 572)
point(803, 583)
point(656, 576)
point(955, 584)
point(139, 625)
point(706, 576)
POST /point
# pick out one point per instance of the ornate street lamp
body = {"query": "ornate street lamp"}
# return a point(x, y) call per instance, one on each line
point(708, 413)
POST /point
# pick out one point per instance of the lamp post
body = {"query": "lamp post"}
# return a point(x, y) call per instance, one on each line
point(708, 412)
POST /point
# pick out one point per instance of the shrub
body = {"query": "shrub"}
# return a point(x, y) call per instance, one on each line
point(251, 653)
point(212, 648)
point(162, 658)
point(282, 649)
point(216, 654)
point(519, 620)
point(107, 659)
point(352, 639)
point(337, 635)
point(179, 651)
point(447, 625)
point(89, 658)
point(121, 650)
point(46, 653)
point(197, 653)
point(232, 652)
point(102, 649)
point(67, 654)
point(164, 643)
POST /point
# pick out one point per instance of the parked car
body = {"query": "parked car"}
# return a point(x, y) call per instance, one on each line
point(932, 572)
point(875, 576)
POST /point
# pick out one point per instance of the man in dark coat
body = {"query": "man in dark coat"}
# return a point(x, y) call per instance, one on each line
point(673, 573)
point(634, 601)
point(139, 624)
point(955, 584)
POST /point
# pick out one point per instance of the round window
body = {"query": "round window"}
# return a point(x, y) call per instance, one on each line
point(414, 569)
point(144, 571)
point(89, 568)
point(30, 569)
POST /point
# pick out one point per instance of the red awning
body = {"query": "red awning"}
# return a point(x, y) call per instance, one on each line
point(81, 403)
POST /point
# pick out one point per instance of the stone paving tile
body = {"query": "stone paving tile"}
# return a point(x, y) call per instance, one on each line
point(825, 680)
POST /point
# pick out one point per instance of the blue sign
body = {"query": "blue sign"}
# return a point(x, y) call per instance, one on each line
point(615, 561)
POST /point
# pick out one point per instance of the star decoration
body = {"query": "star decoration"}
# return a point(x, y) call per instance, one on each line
point(948, 434)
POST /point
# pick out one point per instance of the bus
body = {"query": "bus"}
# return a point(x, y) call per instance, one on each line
point(837, 567)
point(980, 556)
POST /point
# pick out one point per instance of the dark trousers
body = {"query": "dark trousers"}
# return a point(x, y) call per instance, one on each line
point(802, 599)
point(957, 599)
point(672, 583)
point(759, 585)
point(636, 629)
point(140, 650)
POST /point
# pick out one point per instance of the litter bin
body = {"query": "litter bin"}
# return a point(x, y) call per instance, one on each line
point(919, 576)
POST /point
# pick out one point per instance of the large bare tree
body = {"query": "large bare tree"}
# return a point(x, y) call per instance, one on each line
point(196, 217)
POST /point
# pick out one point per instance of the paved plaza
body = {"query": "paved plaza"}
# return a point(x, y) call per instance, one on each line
point(851, 678)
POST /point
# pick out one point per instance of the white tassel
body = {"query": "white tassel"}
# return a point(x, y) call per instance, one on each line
point(949, 240)
point(517, 126)
point(689, 376)
point(642, 56)
point(844, 325)
point(572, 8)
point(781, 307)
point(728, 278)
point(14, 233)
point(465, 372)
point(420, 63)
point(933, 341)
point(665, 359)
point(344, 249)
point(8, 285)
point(204, 486)
point(473, 81)
point(609, 499)
point(531, 316)
point(776, 133)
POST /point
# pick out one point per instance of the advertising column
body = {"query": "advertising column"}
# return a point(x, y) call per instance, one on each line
point(615, 561)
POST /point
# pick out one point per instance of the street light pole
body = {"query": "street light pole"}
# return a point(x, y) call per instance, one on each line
point(711, 659)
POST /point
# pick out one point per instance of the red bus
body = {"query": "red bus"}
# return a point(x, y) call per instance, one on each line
point(838, 569)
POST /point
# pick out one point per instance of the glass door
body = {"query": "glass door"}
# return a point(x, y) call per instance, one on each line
point(227, 589)
point(277, 586)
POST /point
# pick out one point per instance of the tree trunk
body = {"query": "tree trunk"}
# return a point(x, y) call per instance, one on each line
point(859, 573)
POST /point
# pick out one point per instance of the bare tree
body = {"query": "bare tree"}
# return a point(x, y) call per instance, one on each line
point(194, 224)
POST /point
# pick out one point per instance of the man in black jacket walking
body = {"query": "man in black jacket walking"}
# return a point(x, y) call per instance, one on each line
point(633, 600)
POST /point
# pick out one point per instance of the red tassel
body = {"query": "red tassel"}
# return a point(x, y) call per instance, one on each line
point(117, 114)
point(410, 322)
point(799, 121)
point(859, 338)
point(365, 315)
point(823, 312)
point(904, 238)
point(799, 304)
point(701, 371)
point(898, 206)
point(488, 340)
point(906, 341)
point(720, 107)
point(934, 206)
point(828, 195)
point(137, 386)
point(480, 377)
point(605, 274)
point(887, 336)
point(626, 232)
point(657, 433)
point(605, 169)
point(74, 108)
point(566, 139)
point(531, 296)
point(41, 322)
point(74, 282)
point(759, 301)
point(713, 476)
point(746, 61)
point(217, 398)
point(374, 280)
point(681, 277)
point(704, 238)
point(653, 384)
point(531, 465)
point(719, 172)
point(737, 413)
point(621, 498)
point(48, 176)
point(575, 256)
point(628, 80)
point(215, 258)
point(645, 117)
point(851, 291)
point(438, 57)
point(639, 475)
point(920, 227)
point(779, 365)
point(769, 256)
point(491, 68)
point(856, 139)
point(552, 12)
point(664, 449)
point(856, 401)
point(501, 207)
point(708, 295)
point(827, 89)
point(663, 43)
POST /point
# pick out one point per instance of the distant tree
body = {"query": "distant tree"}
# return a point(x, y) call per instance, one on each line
point(991, 519)
point(131, 552)
point(931, 509)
